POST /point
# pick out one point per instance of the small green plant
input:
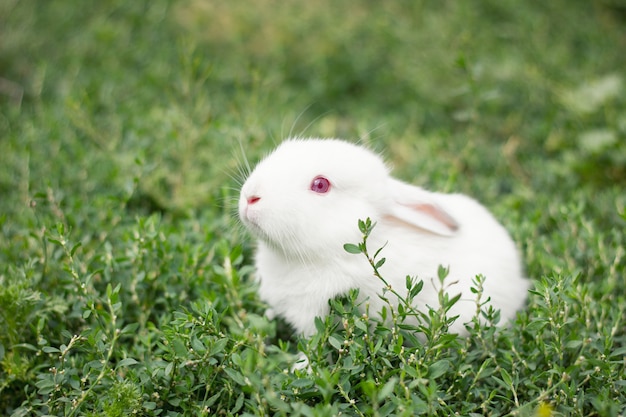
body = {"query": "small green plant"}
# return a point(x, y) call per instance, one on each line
point(432, 323)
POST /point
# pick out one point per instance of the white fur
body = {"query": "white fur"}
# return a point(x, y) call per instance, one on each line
point(300, 259)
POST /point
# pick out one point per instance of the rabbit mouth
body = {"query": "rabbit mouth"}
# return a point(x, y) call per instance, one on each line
point(287, 246)
point(257, 230)
point(250, 221)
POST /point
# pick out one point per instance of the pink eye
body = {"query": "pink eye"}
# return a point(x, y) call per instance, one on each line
point(320, 185)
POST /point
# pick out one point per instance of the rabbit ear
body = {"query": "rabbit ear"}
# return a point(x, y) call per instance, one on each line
point(415, 207)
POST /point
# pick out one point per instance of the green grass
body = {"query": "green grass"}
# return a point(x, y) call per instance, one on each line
point(126, 281)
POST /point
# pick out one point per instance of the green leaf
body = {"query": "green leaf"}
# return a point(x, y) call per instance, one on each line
point(302, 383)
point(442, 272)
point(361, 325)
point(363, 227)
point(213, 399)
point(573, 344)
point(27, 346)
point(169, 368)
point(45, 386)
point(55, 241)
point(197, 345)
point(126, 362)
point(179, 348)
point(129, 328)
point(379, 250)
point(238, 404)
point(335, 342)
point(438, 368)
point(75, 248)
point(50, 349)
point(352, 248)
point(506, 377)
point(417, 288)
point(368, 387)
point(219, 346)
point(618, 352)
point(235, 376)
point(387, 389)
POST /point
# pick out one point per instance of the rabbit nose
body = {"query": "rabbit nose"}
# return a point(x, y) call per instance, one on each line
point(253, 199)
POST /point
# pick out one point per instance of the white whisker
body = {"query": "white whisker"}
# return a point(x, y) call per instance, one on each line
point(311, 123)
point(295, 122)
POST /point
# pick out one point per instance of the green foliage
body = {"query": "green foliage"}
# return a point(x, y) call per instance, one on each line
point(126, 285)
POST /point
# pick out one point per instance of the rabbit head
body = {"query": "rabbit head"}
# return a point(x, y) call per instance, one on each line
point(306, 197)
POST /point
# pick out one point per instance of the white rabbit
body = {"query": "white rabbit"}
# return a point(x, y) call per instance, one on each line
point(303, 202)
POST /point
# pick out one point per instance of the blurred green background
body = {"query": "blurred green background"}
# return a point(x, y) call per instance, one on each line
point(124, 127)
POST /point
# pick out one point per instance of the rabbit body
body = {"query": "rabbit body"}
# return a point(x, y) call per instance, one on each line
point(302, 227)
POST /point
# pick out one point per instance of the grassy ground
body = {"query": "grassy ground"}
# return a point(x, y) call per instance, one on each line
point(125, 279)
